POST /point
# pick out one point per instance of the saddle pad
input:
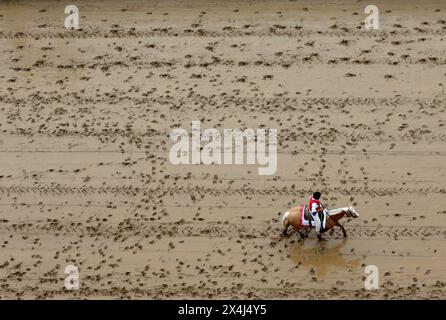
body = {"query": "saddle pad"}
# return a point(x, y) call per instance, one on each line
point(304, 217)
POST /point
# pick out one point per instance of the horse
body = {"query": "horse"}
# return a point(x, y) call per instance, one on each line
point(296, 218)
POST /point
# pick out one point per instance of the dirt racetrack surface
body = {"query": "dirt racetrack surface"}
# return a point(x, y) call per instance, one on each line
point(85, 117)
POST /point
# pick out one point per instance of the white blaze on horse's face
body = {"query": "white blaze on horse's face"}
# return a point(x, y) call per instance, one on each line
point(353, 212)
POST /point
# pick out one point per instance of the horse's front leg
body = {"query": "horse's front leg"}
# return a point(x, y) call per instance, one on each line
point(342, 228)
point(285, 229)
point(302, 236)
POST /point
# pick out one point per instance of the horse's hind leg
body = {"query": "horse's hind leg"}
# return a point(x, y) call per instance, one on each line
point(342, 228)
point(302, 236)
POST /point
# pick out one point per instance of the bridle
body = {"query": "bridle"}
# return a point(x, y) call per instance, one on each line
point(351, 216)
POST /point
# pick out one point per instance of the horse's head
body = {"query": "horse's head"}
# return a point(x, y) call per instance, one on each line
point(351, 212)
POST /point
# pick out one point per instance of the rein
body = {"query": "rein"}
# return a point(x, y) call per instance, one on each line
point(348, 220)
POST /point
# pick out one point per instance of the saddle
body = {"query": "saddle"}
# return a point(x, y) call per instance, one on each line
point(307, 214)
point(307, 219)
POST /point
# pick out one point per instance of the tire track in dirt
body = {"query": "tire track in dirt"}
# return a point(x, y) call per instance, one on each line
point(129, 228)
point(271, 31)
point(227, 100)
point(285, 62)
point(254, 293)
point(61, 189)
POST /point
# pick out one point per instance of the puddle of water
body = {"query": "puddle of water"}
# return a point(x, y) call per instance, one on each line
point(322, 256)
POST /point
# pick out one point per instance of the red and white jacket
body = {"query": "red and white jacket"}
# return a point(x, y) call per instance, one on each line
point(314, 205)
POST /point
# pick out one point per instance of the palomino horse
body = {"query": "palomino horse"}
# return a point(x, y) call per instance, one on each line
point(298, 218)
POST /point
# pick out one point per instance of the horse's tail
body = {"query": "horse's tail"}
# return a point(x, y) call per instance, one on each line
point(285, 217)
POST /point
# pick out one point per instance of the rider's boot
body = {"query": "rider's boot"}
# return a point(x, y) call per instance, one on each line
point(321, 217)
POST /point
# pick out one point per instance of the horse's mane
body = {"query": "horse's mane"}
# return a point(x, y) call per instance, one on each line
point(336, 211)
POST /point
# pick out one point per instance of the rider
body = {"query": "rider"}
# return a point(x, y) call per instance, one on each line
point(317, 211)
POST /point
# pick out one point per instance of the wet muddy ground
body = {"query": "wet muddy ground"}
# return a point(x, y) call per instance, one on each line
point(85, 117)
